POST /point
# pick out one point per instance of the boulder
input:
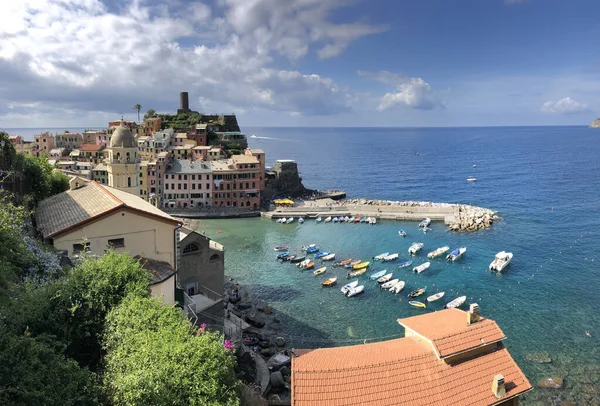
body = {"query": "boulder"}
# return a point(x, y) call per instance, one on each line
point(539, 357)
point(555, 382)
point(279, 360)
point(264, 344)
point(265, 309)
point(266, 352)
point(244, 306)
point(254, 320)
point(277, 381)
point(285, 371)
point(274, 398)
point(280, 342)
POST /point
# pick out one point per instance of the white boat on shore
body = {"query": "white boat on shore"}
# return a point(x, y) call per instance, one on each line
point(391, 257)
point(355, 291)
point(290, 220)
point(397, 288)
point(456, 254)
point(385, 278)
point(381, 256)
point(415, 247)
point(501, 260)
point(425, 222)
point(422, 267)
point(435, 297)
point(328, 219)
point(438, 252)
point(455, 303)
point(349, 286)
point(389, 284)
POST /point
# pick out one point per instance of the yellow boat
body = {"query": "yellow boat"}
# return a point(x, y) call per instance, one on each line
point(357, 272)
point(361, 265)
point(329, 282)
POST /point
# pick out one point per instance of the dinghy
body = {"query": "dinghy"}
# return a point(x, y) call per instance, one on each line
point(435, 297)
point(297, 258)
point(288, 258)
point(377, 275)
point(397, 288)
point(328, 219)
point(389, 284)
point(356, 219)
point(456, 302)
point(282, 220)
point(456, 254)
point(361, 265)
point(283, 255)
point(425, 222)
point(373, 220)
point(415, 247)
point(320, 271)
point(355, 291)
point(381, 256)
point(328, 257)
point(350, 220)
point(391, 257)
point(321, 254)
point(318, 220)
point(417, 292)
point(500, 261)
point(310, 265)
point(385, 277)
point(472, 179)
point(402, 233)
point(342, 262)
point(363, 219)
point(349, 286)
point(330, 281)
point(305, 247)
point(351, 264)
point(437, 252)
point(281, 248)
point(312, 250)
point(420, 305)
point(335, 220)
point(405, 264)
point(358, 272)
point(303, 263)
point(301, 220)
point(422, 267)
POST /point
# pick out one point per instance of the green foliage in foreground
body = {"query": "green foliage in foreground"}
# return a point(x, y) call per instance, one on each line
point(153, 359)
point(42, 181)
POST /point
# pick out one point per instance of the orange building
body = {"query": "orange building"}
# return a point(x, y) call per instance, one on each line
point(448, 357)
point(152, 125)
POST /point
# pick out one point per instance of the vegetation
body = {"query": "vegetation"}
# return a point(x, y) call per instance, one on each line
point(8, 151)
point(138, 107)
point(181, 121)
point(42, 181)
point(149, 113)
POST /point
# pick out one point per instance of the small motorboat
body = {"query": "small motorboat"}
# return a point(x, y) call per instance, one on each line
point(303, 263)
point(355, 291)
point(349, 286)
point(435, 297)
point(288, 258)
point(397, 288)
point(389, 284)
point(402, 233)
point(405, 264)
point(347, 219)
point(329, 257)
point(377, 275)
point(415, 247)
point(281, 248)
point(351, 264)
point(456, 302)
point(341, 219)
point(385, 278)
point(363, 219)
point(328, 219)
point(320, 271)
point(350, 220)
point(312, 250)
point(297, 258)
point(417, 292)
point(330, 281)
point(426, 228)
point(318, 220)
point(422, 267)
point(321, 254)
point(342, 262)
point(309, 265)
point(381, 256)
point(356, 219)
point(305, 247)
point(282, 220)
point(355, 273)
point(474, 165)
point(301, 220)
point(290, 220)
point(472, 179)
point(335, 220)
point(420, 305)
point(436, 253)
point(361, 265)
point(425, 222)
point(501, 260)
point(283, 254)
point(373, 220)
point(456, 254)
point(391, 257)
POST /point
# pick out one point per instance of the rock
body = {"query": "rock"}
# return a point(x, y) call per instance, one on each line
point(280, 341)
point(234, 300)
point(277, 381)
point(288, 378)
point(285, 371)
point(266, 352)
point(596, 123)
point(539, 357)
point(264, 344)
point(254, 320)
point(276, 320)
point(555, 382)
point(274, 398)
point(244, 306)
point(567, 404)
point(279, 360)
point(265, 309)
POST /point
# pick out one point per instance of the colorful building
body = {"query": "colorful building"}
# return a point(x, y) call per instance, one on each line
point(68, 141)
point(187, 184)
point(237, 182)
point(89, 153)
point(152, 125)
point(123, 163)
point(42, 144)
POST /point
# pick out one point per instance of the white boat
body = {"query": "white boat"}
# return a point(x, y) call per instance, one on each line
point(328, 257)
point(422, 267)
point(335, 220)
point(500, 261)
point(290, 220)
point(328, 219)
point(355, 291)
point(346, 219)
point(397, 288)
point(437, 252)
point(391, 257)
point(425, 222)
point(435, 297)
point(381, 256)
point(385, 278)
point(456, 254)
point(301, 220)
point(351, 220)
point(377, 275)
point(389, 284)
point(349, 286)
point(341, 219)
point(303, 263)
point(472, 179)
point(318, 220)
point(320, 271)
point(283, 220)
point(456, 302)
point(416, 247)
point(305, 247)
point(373, 220)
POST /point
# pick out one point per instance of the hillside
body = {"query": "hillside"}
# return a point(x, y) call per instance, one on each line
point(596, 123)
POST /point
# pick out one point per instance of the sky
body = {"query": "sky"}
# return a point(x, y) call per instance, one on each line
point(78, 63)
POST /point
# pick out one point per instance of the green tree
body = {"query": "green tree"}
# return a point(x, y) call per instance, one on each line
point(150, 113)
point(153, 359)
point(7, 149)
point(138, 107)
point(39, 176)
point(59, 182)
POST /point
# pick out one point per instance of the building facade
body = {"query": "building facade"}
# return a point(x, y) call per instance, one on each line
point(187, 184)
point(69, 141)
point(42, 144)
point(123, 163)
point(237, 182)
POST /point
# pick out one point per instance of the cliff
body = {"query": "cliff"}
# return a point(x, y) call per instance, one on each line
point(596, 123)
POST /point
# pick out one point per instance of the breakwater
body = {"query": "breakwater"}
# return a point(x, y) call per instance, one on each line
point(458, 217)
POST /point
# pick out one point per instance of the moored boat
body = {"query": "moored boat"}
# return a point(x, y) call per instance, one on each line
point(363, 219)
point(472, 179)
point(426, 228)
point(330, 281)
point(282, 220)
point(389, 284)
point(415, 247)
point(357, 272)
point(373, 220)
point(405, 264)
point(281, 248)
point(402, 233)
point(456, 302)
point(283, 254)
point(391, 257)
point(352, 263)
point(351, 219)
point(288, 258)
point(309, 265)
point(436, 253)
point(415, 303)
point(501, 260)
point(297, 258)
point(417, 292)
point(422, 267)
point(342, 262)
point(328, 219)
point(377, 275)
point(335, 220)
point(381, 256)
point(349, 286)
point(320, 271)
point(318, 220)
point(456, 254)
point(357, 219)
point(397, 288)
point(312, 250)
point(329, 257)
point(425, 222)
point(435, 297)
point(321, 254)
point(355, 291)
point(361, 265)
point(305, 247)
point(385, 278)
point(301, 220)
point(303, 263)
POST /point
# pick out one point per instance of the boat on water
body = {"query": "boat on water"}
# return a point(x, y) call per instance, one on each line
point(389, 284)
point(422, 267)
point(356, 220)
point(385, 278)
point(415, 247)
point(341, 219)
point(328, 219)
point(456, 302)
point(361, 265)
point(435, 297)
point(303, 263)
point(352, 263)
point(281, 248)
point(281, 220)
point(355, 291)
point(349, 286)
point(391, 257)
point(474, 165)
point(417, 292)
point(335, 220)
point(283, 254)
point(305, 247)
point(456, 254)
point(377, 275)
point(436, 253)
point(321, 254)
point(426, 229)
point(405, 264)
point(425, 222)
point(350, 220)
point(402, 233)
point(309, 265)
point(397, 288)
point(301, 220)
point(472, 179)
point(288, 258)
point(342, 262)
point(320, 271)
point(420, 305)
point(318, 220)
point(381, 256)
point(330, 281)
point(357, 272)
point(297, 258)
point(373, 220)
point(329, 257)
point(312, 250)
point(363, 219)
point(501, 260)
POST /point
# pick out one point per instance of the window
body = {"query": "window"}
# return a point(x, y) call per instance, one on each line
point(77, 248)
point(179, 186)
point(129, 182)
point(116, 243)
point(192, 247)
point(193, 177)
point(253, 184)
point(214, 258)
point(193, 186)
point(166, 185)
point(184, 177)
point(185, 186)
point(208, 185)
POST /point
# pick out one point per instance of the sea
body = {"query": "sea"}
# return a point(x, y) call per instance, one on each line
point(544, 182)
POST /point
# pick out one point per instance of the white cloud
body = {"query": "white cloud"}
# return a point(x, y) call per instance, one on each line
point(564, 106)
point(412, 92)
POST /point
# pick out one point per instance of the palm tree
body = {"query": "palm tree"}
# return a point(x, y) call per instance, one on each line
point(138, 107)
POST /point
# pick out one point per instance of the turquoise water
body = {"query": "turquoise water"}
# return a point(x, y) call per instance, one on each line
point(544, 182)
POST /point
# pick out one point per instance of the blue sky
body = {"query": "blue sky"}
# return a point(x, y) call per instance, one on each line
point(302, 62)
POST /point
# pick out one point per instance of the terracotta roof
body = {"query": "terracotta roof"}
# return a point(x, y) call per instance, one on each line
point(449, 332)
point(402, 371)
point(75, 207)
point(91, 147)
point(160, 270)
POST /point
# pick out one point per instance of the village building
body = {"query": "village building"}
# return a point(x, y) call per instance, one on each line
point(57, 153)
point(152, 145)
point(100, 173)
point(237, 182)
point(42, 144)
point(96, 137)
point(229, 138)
point(448, 357)
point(199, 135)
point(187, 184)
point(152, 125)
point(123, 163)
point(68, 141)
point(93, 153)
point(199, 153)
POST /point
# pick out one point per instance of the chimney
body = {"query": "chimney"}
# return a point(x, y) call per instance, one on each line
point(498, 388)
point(473, 314)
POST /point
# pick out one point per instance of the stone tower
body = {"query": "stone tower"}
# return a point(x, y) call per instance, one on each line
point(123, 163)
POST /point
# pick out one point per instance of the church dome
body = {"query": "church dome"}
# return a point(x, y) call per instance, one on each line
point(122, 137)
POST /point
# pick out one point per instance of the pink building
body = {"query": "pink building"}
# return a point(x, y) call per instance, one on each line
point(43, 143)
point(96, 137)
point(187, 184)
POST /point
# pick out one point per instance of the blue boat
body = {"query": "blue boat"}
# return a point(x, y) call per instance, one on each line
point(321, 254)
point(363, 219)
point(335, 220)
point(402, 233)
point(405, 264)
point(312, 250)
point(377, 275)
point(283, 255)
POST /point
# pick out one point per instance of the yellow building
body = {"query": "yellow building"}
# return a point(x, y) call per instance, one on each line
point(95, 217)
point(123, 163)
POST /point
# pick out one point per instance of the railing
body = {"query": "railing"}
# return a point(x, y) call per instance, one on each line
point(190, 306)
point(209, 293)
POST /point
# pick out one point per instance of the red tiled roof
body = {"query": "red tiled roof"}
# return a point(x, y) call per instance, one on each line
point(449, 332)
point(91, 147)
point(401, 371)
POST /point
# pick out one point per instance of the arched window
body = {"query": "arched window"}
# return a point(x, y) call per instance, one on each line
point(118, 156)
point(214, 258)
point(127, 156)
point(129, 181)
point(192, 247)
